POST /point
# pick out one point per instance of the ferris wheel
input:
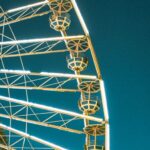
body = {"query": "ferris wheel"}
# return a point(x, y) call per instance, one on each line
point(28, 112)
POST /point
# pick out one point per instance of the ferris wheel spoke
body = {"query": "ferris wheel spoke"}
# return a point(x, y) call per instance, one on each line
point(17, 139)
point(38, 88)
point(23, 13)
point(51, 119)
point(14, 42)
point(40, 81)
point(17, 48)
point(11, 20)
point(27, 7)
point(57, 118)
point(46, 74)
point(50, 109)
point(40, 123)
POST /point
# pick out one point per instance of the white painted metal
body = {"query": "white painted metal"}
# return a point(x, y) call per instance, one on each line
point(49, 74)
point(107, 137)
point(104, 100)
point(83, 24)
point(39, 140)
point(103, 94)
point(40, 123)
point(106, 114)
point(48, 108)
point(40, 40)
point(28, 6)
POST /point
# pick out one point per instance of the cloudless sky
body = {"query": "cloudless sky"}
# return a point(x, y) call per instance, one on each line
point(120, 30)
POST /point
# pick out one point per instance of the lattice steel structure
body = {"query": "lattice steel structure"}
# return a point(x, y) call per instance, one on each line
point(18, 112)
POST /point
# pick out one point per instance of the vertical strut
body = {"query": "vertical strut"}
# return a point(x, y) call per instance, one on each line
point(86, 121)
point(85, 29)
point(103, 94)
point(104, 102)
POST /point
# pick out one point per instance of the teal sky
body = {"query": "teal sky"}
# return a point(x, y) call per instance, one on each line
point(121, 35)
point(120, 31)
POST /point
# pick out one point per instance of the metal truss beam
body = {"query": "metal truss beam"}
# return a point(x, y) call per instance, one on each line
point(27, 6)
point(38, 88)
point(33, 53)
point(86, 31)
point(41, 123)
point(40, 40)
point(95, 60)
point(94, 57)
point(48, 74)
point(52, 109)
point(46, 143)
point(22, 13)
point(48, 81)
point(23, 18)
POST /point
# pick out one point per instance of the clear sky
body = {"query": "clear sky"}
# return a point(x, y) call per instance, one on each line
point(120, 31)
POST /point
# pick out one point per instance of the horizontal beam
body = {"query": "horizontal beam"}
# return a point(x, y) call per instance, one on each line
point(31, 137)
point(48, 108)
point(40, 40)
point(33, 53)
point(38, 88)
point(48, 74)
point(41, 123)
point(4, 22)
point(27, 6)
